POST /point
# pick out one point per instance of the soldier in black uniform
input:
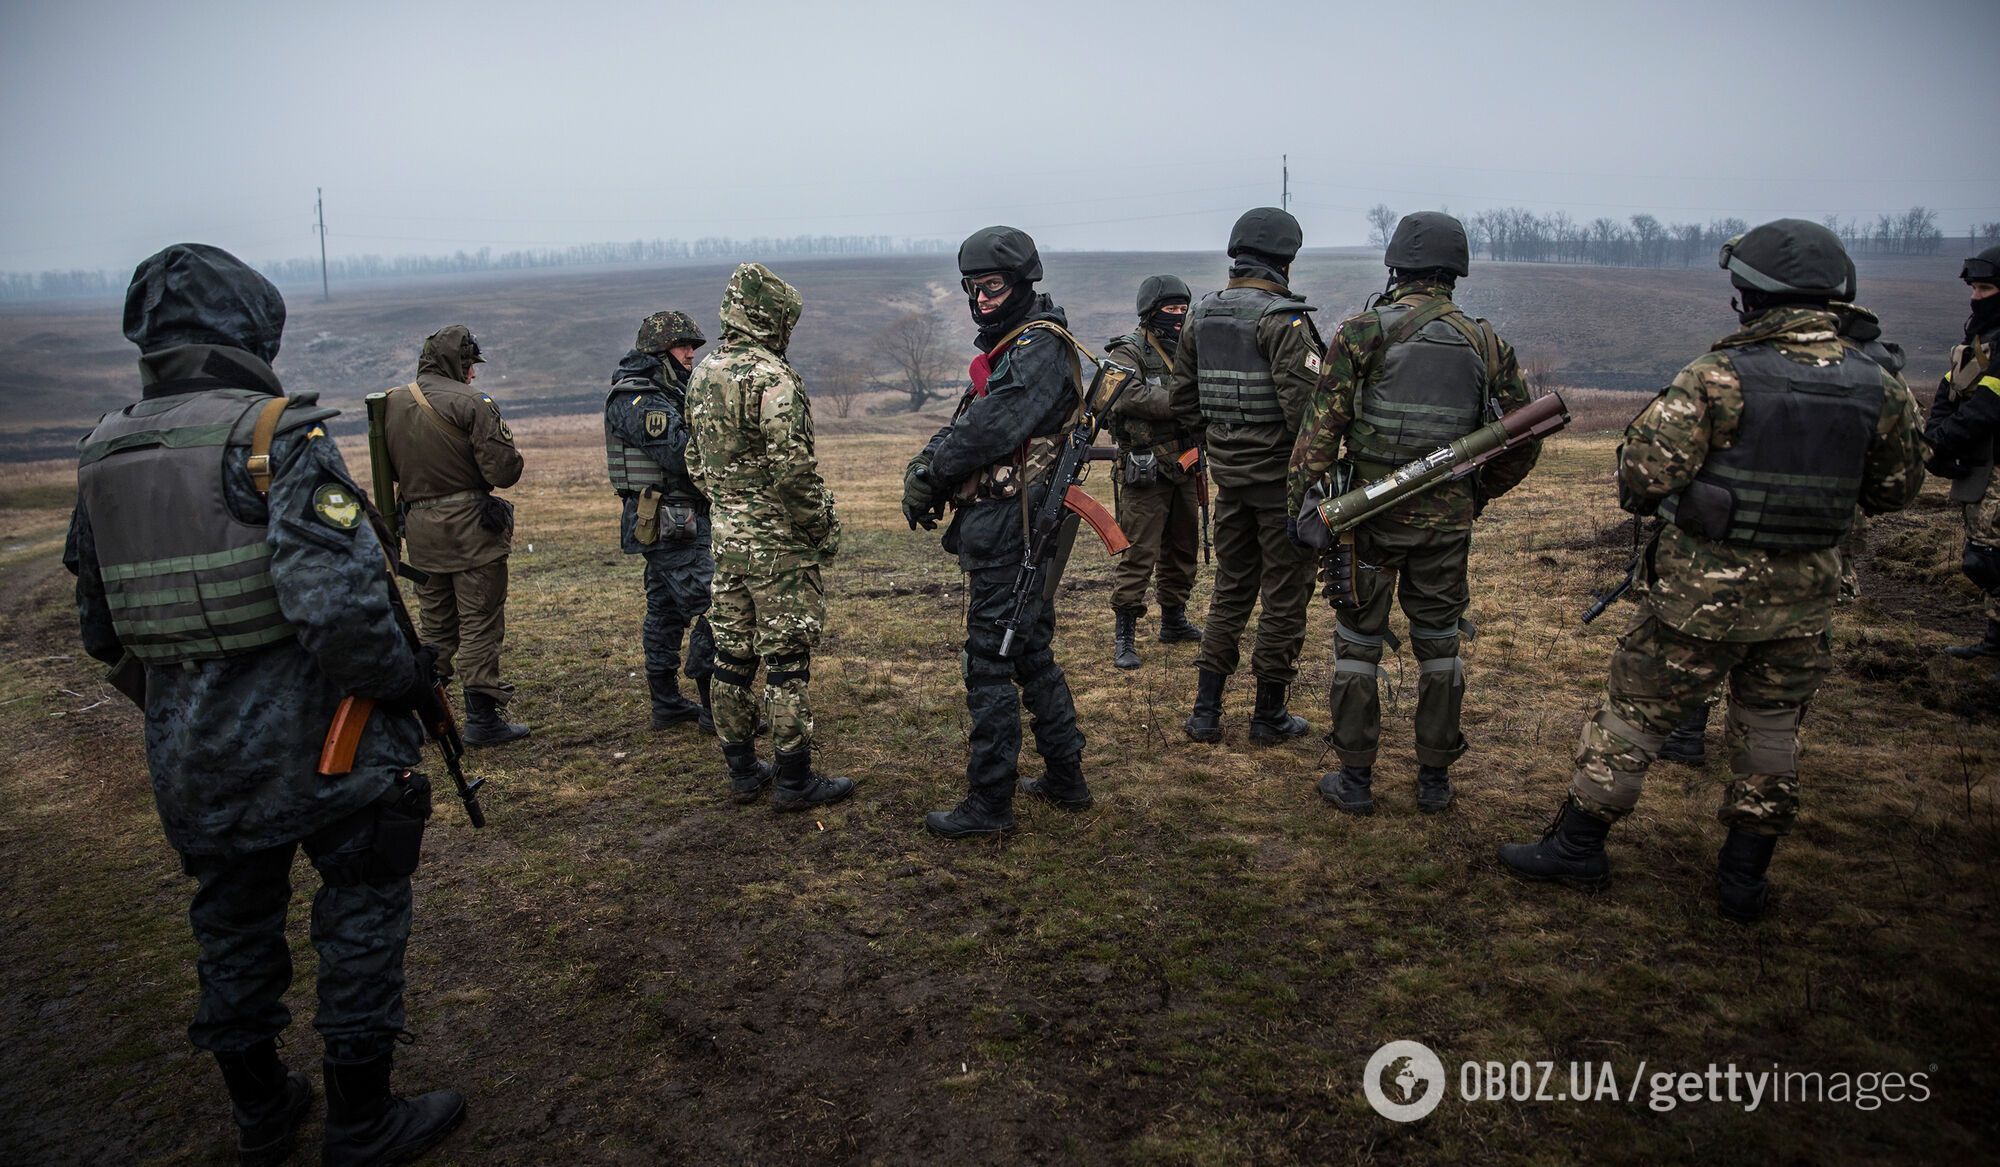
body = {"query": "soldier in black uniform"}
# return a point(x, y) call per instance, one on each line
point(661, 514)
point(1026, 390)
point(220, 551)
point(1964, 432)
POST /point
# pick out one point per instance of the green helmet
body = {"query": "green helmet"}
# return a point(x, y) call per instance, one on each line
point(1157, 290)
point(1267, 231)
point(1983, 268)
point(1427, 240)
point(663, 330)
point(1789, 257)
point(1002, 249)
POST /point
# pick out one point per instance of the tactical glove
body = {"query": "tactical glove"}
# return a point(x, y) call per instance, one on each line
point(918, 507)
point(426, 678)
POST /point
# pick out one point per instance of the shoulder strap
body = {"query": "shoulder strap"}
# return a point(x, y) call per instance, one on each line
point(417, 392)
point(260, 443)
point(1409, 325)
point(1161, 350)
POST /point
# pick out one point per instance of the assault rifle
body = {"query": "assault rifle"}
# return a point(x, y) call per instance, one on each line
point(1640, 546)
point(1053, 523)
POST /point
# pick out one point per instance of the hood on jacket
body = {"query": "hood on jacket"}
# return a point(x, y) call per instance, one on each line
point(192, 293)
point(760, 308)
point(449, 352)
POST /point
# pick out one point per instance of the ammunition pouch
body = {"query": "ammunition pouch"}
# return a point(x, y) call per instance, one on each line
point(1140, 467)
point(379, 843)
point(677, 523)
point(1703, 509)
point(496, 515)
point(646, 516)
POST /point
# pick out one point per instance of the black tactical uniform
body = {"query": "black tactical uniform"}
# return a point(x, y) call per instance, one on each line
point(662, 516)
point(1964, 431)
point(256, 598)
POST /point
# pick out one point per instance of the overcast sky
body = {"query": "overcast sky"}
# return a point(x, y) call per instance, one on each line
point(440, 126)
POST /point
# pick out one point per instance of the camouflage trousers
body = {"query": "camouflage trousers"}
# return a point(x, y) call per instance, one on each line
point(1425, 570)
point(996, 687)
point(1255, 561)
point(1164, 525)
point(678, 578)
point(360, 926)
point(464, 614)
point(1658, 674)
point(774, 619)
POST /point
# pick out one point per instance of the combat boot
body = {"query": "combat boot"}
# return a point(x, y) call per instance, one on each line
point(1347, 789)
point(669, 707)
point(1434, 792)
point(1273, 723)
point(800, 786)
point(974, 818)
point(747, 776)
point(484, 725)
point(1205, 723)
point(268, 1102)
point(366, 1124)
point(1123, 654)
point(1740, 888)
point(1571, 850)
point(1062, 786)
point(1175, 626)
point(1685, 744)
point(1987, 647)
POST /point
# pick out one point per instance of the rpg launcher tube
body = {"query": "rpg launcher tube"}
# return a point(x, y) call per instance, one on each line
point(1543, 415)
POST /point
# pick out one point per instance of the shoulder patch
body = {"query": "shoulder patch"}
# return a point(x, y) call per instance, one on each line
point(1027, 338)
point(315, 432)
point(656, 422)
point(337, 507)
point(486, 399)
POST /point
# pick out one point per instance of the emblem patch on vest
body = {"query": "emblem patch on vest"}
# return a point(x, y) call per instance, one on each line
point(1312, 362)
point(337, 507)
point(656, 422)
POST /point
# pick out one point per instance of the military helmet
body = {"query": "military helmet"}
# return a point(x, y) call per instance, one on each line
point(1983, 268)
point(663, 330)
point(1427, 240)
point(1001, 249)
point(1267, 231)
point(1157, 290)
point(1789, 257)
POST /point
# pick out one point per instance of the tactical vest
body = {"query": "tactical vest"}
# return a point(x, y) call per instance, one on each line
point(1968, 364)
point(1793, 479)
point(184, 578)
point(1232, 376)
point(1428, 387)
point(1036, 456)
point(1129, 432)
point(631, 470)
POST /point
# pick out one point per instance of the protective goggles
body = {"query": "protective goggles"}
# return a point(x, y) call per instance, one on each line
point(991, 285)
point(1980, 271)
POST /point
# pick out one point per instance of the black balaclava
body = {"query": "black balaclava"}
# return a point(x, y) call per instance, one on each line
point(1984, 319)
point(1020, 300)
point(1166, 326)
point(1751, 303)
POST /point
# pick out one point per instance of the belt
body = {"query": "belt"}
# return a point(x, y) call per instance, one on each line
point(417, 504)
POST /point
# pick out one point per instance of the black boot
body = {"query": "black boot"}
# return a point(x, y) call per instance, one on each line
point(747, 776)
point(1174, 625)
point(1434, 792)
point(365, 1124)
point(706, 718)
point(1740, 889)
point(1347, 789)
point(1123, 654)
point(669, 707)
point(1273, 723)
point(484, 725)
point(1570, 851)
point(1205, 723)
point(1685, 744)
point(267, 1101)
point(800, 786)
point(1987, 647)
point(976, 817)
point(1062, 786)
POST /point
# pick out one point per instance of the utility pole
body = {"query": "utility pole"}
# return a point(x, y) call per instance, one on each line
point(319, 212)
point(1285, 191)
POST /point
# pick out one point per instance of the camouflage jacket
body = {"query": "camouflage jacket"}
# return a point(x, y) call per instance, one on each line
point(647, 411)
point(1242, 456)
point(1721, 591)
point(1350, 361)
point(1143, 418)
point(750, 448)
point(233, 743)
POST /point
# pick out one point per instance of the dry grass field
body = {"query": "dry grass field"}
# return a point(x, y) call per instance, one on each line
point(626, 968)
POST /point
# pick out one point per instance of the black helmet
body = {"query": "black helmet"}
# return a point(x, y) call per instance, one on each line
point(1428, 240)
point(1157, 290)
point(1983, 268)
point(1267, 231)
point(1789, 257)
point(1002, 249)
point(192, 293)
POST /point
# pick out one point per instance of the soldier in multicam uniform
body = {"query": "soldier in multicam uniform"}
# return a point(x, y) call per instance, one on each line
point(1246, 367)
point(1408, 375)
point(1756, 455)
point(751, 453)
point(1157, 500)
point(218, 540)
point(661, 514)
point(1964, 431)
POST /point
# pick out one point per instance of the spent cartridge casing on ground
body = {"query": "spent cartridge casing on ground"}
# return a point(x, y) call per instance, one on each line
point(1543, 415)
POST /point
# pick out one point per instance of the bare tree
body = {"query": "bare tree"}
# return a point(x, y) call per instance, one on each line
point(1381, 224)
point(915, 344)
point(841, 381)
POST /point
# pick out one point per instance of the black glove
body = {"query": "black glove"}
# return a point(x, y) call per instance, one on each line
point(918, 507)
point(1945, 466)
point(426, 673)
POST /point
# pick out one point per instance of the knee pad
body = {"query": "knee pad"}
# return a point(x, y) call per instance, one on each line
point(782, 670)
point(735, 670)
point(1982, 567)
point(1770, 739)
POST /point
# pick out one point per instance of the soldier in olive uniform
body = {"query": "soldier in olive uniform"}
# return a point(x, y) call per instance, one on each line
point(1964, 430)
point(220, 551)
point(1756, 456)
point(449, 451)
point(751, 453)
point(661, 514)
point(1157, 500)
point(1244, 372)
point(1408, 375)
point(990, 465)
